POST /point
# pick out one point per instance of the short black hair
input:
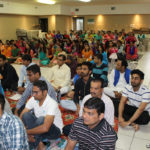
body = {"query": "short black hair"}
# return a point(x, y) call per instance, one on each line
point(99, 56)
point(62, 56)
point(95, 103)
point(42, 85)
point(2, 101)
point(34, 68)
point(27, 57)
point(98, 80)
point(88, 64)
point(139, 72)
point(79, 65)
point(2, 56)
point(123, 61)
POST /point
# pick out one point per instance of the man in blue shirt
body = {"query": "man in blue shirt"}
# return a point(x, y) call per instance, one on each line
point(27, 61)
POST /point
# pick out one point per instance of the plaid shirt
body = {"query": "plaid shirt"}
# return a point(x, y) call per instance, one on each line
point(12, 133)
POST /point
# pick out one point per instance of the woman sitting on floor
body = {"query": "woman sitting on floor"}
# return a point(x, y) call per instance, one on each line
point(87, 53)
point(131, 52)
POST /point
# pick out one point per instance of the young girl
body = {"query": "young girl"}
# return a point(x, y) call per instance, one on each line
point(87, 53)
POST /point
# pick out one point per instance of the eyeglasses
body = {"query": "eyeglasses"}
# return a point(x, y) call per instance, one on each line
point(35, 92)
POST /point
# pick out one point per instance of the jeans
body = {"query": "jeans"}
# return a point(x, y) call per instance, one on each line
point(30, 121)
point(69, 104)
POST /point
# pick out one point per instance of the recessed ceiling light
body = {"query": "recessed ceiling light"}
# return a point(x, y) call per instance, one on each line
point(85, 0)
point(46, 1)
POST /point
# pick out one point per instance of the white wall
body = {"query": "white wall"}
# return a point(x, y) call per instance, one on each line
point(31, 9)
point(106, 9)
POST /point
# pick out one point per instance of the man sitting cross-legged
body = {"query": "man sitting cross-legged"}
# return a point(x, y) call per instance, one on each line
point(44, 121)
point(137, 111)
point(119, 78)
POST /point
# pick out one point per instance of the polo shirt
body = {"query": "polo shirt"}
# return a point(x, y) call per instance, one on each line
point(101, 137)
point(136, 98)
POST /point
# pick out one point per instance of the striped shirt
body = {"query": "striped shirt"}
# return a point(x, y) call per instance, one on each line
point(100, 72)
point(136, 98)
point(28, 92)
point(12, 133)
point(101, 137)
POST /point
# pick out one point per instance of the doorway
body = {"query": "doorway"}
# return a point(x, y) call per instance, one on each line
point(43, 24)
point(78, 23)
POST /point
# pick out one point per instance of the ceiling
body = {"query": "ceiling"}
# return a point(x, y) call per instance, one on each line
point(78, 3)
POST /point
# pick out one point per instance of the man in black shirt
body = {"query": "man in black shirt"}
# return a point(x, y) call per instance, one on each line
point(82, 88)
point(8, 77)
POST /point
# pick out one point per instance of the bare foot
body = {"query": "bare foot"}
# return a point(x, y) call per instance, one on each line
point(135, 126)
point(41, 146)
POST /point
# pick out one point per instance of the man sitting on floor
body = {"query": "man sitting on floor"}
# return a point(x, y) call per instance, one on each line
point(119, 78)
point(96, 90)
point(12, 132)
point(8, 75)
point(137, 111)
point(92, 131)
point(82, 88)
point(27, 61)
point(34, 74)
point(44, 121)
point(61, 76)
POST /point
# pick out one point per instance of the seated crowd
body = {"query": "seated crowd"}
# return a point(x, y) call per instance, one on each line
point(79, 64)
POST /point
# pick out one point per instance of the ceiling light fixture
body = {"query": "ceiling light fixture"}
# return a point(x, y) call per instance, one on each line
point(85, 0)
point(46, 1)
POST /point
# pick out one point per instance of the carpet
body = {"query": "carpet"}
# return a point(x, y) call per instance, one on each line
point(68, 117)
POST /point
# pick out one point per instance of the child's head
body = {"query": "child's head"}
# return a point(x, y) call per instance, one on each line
point(78, 69)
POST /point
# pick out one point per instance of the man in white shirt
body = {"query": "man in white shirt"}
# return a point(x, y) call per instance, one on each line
point(27, 61)
point(45, 121)
point(61, 76)
point(137, 111)
point(118, 79)
point(96, 90)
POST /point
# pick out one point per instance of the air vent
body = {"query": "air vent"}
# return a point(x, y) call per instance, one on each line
point(1, 5)
point(113, 8)
point(77, 9)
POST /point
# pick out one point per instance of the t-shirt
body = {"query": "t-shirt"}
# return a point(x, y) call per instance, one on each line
point(136, 98)
point(49, 107)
